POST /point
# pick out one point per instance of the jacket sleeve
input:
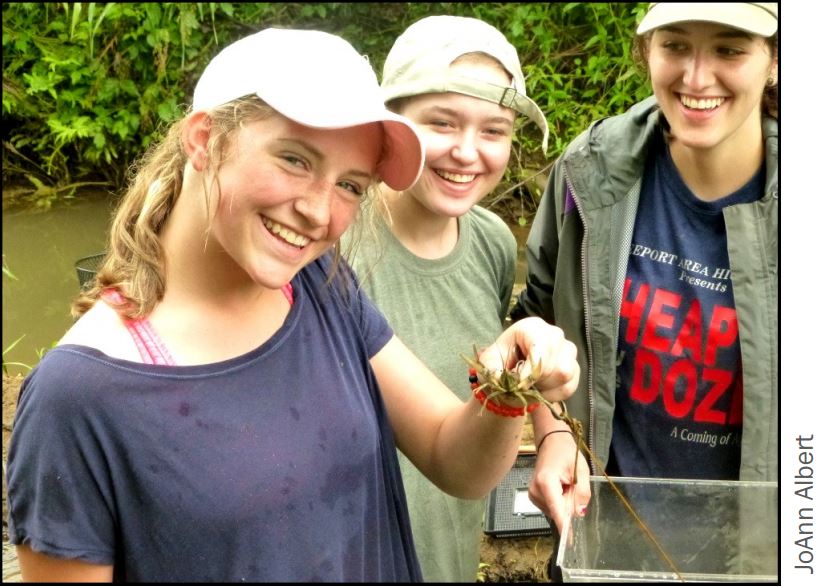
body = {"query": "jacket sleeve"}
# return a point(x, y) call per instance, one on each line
point(542, 250)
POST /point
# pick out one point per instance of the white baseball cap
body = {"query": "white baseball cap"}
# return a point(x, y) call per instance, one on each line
point(420, 59)
point(315, 79)
point(758, 18)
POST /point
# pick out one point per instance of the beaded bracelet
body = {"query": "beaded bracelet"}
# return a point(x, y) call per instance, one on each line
point(491, 405)
point(541, 442)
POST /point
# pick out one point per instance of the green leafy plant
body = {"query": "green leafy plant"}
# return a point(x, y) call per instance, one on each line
point(88, 86)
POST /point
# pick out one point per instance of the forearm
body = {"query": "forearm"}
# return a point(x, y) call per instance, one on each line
point(462, 450)
point(475, 448)
point(36, 567)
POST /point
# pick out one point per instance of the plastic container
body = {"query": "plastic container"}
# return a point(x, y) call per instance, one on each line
point(713, 531)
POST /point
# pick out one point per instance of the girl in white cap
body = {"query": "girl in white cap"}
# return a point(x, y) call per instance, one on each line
point(443, 268)
point(227, 407)
point(655, 248)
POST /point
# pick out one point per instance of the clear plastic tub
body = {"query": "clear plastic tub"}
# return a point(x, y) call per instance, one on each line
point(713, 531)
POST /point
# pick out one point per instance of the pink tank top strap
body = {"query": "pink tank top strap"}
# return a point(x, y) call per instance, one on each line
point(287, 289)
point(151, 348)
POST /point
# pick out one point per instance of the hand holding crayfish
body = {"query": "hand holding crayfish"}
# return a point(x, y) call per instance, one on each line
point(530, 363)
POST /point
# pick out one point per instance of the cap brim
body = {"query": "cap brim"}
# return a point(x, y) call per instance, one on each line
point(743, 16)
point(402, 163)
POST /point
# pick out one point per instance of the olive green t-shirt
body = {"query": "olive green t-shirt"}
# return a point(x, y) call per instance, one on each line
point(440, 309)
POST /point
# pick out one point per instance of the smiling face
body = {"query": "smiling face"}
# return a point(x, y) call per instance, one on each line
point(288, 192)
point(467, 140)
point(709, 80)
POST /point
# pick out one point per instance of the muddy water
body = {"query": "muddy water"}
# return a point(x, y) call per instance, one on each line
point(40, 249)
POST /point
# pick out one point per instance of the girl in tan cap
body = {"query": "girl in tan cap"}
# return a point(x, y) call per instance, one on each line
point(443, 267)
point(228, 406)
point(655, 248)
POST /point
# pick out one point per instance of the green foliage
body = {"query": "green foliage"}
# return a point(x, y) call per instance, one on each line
point(87, 86)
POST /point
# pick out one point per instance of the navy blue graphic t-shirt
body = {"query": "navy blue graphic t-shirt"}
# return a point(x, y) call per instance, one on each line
point(679, 389)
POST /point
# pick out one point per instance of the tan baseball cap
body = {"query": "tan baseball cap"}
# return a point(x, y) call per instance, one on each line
point(420, 59)
point(758, 18)
point(316, 79)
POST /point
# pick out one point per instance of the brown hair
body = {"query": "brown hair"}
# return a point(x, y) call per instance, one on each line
point(770, 102)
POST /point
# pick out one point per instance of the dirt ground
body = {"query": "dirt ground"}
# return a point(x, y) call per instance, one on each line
point(11, 387)
point(504, 560)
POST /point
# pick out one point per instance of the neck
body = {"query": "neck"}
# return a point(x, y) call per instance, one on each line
point(197, 267)
point(715, 173)
point(212, 310)
point(421, 231)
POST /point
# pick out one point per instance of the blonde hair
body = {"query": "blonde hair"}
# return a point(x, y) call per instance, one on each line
point(135, 261)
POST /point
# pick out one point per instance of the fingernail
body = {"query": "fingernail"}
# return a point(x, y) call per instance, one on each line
point(582, 510)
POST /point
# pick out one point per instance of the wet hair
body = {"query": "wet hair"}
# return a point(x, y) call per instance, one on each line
point(770, 101)
point(134, 262)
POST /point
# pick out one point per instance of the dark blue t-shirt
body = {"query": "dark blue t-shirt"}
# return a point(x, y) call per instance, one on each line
point(275, 466)
point(679, 389)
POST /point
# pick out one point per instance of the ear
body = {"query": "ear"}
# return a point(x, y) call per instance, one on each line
point(773, 71)
point(771, 79)
point(195, 136)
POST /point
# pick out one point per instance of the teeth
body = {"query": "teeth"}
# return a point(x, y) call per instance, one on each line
point(286, 234)
point(705, 104)
point(456, 177)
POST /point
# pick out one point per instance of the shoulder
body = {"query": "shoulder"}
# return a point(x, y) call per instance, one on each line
point(58, 391)
point(633, 128)
point(771, 128)
point(366, 243)
point(102, 328)
point(490, 230)
point(486, 221)
point(332, 286)
point(340, 306)
point(492, 240)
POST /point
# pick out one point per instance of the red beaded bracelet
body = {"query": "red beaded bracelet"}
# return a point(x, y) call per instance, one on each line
point(491, 405)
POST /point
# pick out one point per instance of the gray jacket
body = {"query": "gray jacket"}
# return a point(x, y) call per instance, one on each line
point(577, 260)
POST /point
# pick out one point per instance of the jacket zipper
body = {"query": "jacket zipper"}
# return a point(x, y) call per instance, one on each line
point(587, 329)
